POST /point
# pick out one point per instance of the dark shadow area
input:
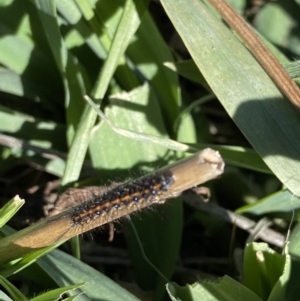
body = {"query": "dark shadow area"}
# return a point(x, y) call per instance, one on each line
point(278, 136)
point(39, 78)
point(292, 288)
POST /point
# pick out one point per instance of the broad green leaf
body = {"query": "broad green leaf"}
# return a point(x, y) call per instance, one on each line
point(293, 244)
point(263, 268)
point(281, 201)
point(281, 288)
point(189, 70)
point(268, 121)
point(140, 136)
point(224, 289)
point(136, 111)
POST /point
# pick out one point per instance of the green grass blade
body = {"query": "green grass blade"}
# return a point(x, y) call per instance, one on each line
point(119, 45)
point(56, 293)
point(127, 27)
point(67, 270)
point(10, 209)
point(4, 297)
point(13, 291)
